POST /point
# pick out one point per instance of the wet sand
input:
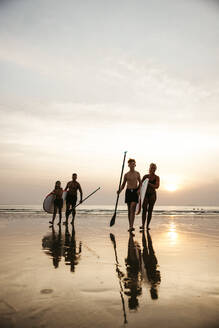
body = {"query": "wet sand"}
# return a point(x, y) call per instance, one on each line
point(97, 276)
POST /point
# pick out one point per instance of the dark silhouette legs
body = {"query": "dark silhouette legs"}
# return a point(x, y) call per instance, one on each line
point(147, 207)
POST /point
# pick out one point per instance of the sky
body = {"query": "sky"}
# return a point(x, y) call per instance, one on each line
point(84, 81)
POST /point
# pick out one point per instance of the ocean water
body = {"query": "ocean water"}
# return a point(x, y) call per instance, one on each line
point(103, 210)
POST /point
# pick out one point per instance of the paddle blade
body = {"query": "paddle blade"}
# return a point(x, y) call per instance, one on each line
point(112, 222)
point(112, 237)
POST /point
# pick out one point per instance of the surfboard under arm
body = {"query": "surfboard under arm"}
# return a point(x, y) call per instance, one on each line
point(141, 196)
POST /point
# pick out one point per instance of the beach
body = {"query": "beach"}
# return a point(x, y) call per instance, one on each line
point(97, 276)
point(107, 103)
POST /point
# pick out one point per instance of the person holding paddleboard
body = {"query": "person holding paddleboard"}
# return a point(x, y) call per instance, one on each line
point(133, 180)
point(58, 202)
point(71, 199)
point(150, 196)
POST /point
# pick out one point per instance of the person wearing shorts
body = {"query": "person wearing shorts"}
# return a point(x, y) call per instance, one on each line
point(58, 202)
point(133, 180)
point(71, 199)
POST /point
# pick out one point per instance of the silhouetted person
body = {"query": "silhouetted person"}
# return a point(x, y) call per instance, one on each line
point(133, 181)
point(58, 202)
point(52, 245)
point(132, 282)
point(71, 199)
point(150, 264)
point(150, 195)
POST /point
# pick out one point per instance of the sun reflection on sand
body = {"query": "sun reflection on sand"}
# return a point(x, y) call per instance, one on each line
point(172, 233)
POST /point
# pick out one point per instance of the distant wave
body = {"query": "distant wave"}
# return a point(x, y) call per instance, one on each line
point(20, 210)
point(122, 212)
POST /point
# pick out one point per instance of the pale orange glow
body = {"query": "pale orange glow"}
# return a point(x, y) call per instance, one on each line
point(172, 234)
point(171, 187)
point(172, 183)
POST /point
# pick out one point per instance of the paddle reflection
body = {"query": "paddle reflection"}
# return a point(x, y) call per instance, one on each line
point(140, 269)
point(57, 245)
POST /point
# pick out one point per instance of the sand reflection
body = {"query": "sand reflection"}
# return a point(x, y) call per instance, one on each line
point(53, 246)
point(71, 251)
point(132, 279)
point(172, 233)
point(58, 245)
point(150, 266)
point(140, 269)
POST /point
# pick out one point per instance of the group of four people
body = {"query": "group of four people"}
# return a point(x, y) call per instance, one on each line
point(133, 181)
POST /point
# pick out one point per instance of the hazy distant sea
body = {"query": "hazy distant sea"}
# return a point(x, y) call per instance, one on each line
point(103, 210)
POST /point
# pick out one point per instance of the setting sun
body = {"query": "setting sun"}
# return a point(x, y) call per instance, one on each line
point(171, 187)
point(172, 183)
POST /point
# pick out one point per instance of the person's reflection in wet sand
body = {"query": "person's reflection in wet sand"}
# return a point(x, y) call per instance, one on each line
point(150, 264)
point(52, 244)
point(132, 282)
point(71, 254)
point(129, 282)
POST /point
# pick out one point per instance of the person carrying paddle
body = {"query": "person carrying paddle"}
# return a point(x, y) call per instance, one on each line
point(150, 196)
point(58, 202)
point(133, 180)
point(71, 199)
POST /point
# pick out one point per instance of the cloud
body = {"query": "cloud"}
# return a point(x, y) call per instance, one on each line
point(159, 95)
point(130, 91)
point(82, 90)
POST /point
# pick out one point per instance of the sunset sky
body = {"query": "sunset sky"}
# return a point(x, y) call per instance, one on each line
point(83, 81)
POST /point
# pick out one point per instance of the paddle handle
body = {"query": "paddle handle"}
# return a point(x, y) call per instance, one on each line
point(120, 181)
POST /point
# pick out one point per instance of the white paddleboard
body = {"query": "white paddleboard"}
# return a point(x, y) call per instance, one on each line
point(48, 203)
point(64, 195)
point(141, 196)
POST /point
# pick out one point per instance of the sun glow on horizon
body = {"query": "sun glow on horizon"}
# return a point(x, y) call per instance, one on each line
point(172, 183)
point(171, 187)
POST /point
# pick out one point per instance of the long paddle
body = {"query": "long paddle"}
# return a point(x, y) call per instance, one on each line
point(84, 199)
point(114, 215)
point(70, 211)
point(87, 197)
